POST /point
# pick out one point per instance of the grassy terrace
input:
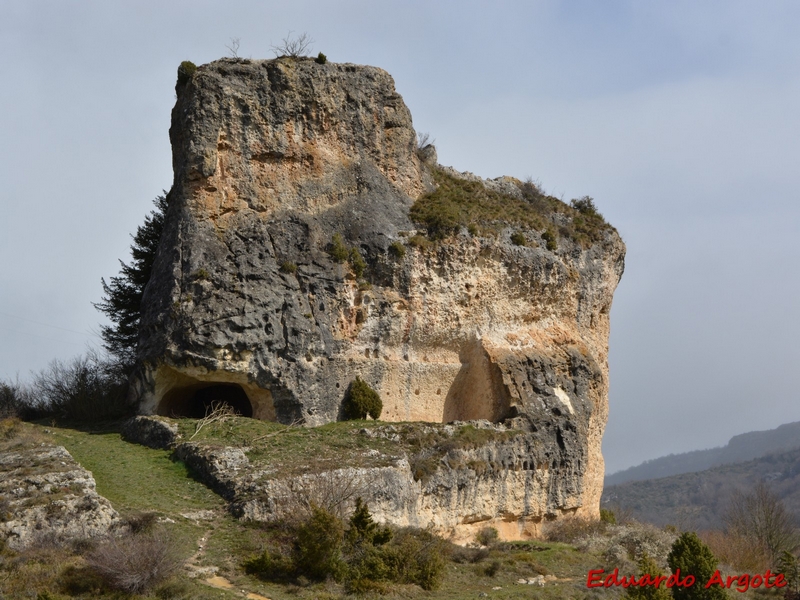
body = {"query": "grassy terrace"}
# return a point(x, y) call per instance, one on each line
point(287, 451)
point(458, 203)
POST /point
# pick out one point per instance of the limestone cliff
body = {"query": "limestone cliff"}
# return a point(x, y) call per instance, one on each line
point(287, 174)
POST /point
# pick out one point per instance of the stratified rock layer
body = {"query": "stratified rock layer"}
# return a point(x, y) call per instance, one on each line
point(246, 304)
point(46, 496)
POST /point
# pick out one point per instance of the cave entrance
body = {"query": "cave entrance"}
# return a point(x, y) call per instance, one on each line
point(196, 401)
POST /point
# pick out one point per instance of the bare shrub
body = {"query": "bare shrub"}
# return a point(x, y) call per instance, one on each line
point(623, 545)
point(233, 47)
point(571, 529)
point(333, 491)
point(736, 551)
point(14, 397)
point(135, 563)
point(15, 434)
point(294, 46)
point(218, 412)
point(467, 554)
point(87, 388)
point(623, 515)
point(762, 518)
point(424, 139)
point(9, 428)
point(141, 521)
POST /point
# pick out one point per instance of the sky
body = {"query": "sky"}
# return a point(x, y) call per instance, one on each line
point(681, 119)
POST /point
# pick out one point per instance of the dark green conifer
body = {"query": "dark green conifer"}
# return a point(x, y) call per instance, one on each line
point(122, 295)
point(694, 558)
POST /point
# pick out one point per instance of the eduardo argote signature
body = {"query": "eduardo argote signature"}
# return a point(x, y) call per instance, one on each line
point(742, 583)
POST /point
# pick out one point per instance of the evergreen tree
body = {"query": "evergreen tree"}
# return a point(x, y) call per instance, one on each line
point(318, 548)
point(361, 400)
point(693, 557)
point(363, 530)
point(647, 566)
point(789, 567)
point(122, 295)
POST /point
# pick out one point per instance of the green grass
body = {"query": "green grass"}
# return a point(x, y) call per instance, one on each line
point(457, 203)
point(288, 451)
point(133, 477)
point(297, 450)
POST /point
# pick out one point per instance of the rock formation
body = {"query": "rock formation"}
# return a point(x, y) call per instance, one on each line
point(46, 496)
point(290, 264)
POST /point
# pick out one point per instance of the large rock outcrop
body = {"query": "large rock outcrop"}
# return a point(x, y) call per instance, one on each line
point(46, 496)
point(284, 171)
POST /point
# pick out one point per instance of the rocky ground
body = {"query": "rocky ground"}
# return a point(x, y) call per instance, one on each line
point(211, 542)
point(45, 496)
point(149, 486)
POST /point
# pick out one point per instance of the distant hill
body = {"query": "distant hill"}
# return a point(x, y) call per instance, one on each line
point(698, 500)
point(744, 447)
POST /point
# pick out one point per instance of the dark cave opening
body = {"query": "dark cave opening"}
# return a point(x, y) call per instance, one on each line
point(195, 401)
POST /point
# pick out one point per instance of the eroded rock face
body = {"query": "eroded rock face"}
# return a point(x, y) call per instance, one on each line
point(507, 480)
point(272, 159)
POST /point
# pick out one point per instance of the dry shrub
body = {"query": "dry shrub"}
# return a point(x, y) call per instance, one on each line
point(218, 412)
point(87, 388)
point(17, 434)
point(487, 536)
point(736, 551)
point(37, 568)
point(140, 521)
point(14, 397)
point(9, 428)
point(333, 491)
point(573, 528)
point(135, 563)
point(761, 517)
point(469, 554)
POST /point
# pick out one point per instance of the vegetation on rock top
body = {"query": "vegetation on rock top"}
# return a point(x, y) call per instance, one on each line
point(457, 203)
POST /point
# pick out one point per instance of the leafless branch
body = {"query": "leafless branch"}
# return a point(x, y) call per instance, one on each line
point(135, 563)
point(335, 491)
point(762, 517)
point(293, 46)
point(294, 424)
point(219, 413)
point(233, 47)
point(424, 139)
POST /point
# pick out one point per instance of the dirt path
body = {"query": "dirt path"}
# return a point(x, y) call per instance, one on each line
point(209, 574)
